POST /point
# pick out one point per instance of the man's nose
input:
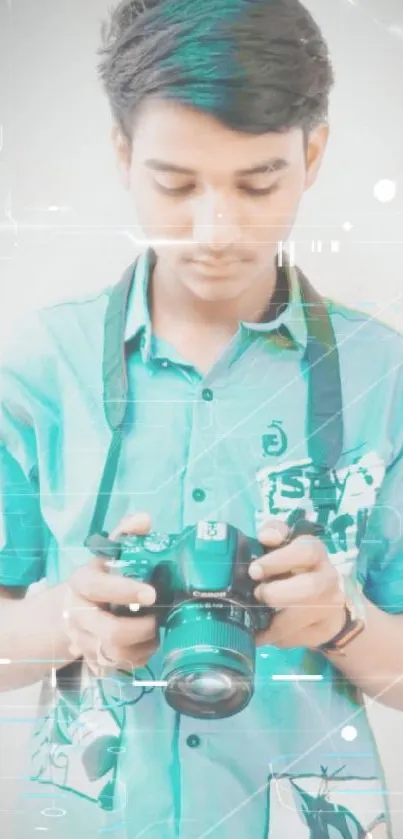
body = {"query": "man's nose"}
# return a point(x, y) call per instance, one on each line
point(216, 224)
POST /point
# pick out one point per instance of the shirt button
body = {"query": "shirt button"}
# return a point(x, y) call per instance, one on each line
point(207, 395)
point(198, 495)
point(193, 741)
point(164, 362)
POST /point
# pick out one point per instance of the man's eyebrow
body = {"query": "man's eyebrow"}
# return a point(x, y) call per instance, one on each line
point(276, 164)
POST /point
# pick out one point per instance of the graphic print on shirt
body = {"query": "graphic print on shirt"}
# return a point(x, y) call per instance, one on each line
point(77, 739)
point(326, 807)
point(341, 502)
point(274, 442)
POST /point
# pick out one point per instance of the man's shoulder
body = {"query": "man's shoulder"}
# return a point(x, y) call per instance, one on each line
point(74, 319)
point(357, 328)
point(75, 308)
point(38, 335)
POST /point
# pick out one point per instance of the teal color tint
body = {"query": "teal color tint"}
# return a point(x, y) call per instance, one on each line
point(246, 452)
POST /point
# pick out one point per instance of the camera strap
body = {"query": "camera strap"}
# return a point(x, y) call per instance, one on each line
point(324, 429)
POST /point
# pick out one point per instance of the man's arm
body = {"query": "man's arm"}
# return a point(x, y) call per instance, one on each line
point(373, 661)
point(70, 621)
point(33, 636)
point(51, 628)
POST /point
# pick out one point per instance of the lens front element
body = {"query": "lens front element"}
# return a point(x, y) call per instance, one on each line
point(209, 659)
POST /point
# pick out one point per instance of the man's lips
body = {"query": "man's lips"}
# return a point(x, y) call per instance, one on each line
point(215, 268)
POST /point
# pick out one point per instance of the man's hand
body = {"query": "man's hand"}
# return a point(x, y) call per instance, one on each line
point(309, 594)
point(99, 636)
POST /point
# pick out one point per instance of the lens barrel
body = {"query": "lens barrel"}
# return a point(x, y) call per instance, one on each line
point(209, 659)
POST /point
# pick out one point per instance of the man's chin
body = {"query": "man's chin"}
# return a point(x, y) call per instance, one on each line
point(216, 292)
point(217, 286)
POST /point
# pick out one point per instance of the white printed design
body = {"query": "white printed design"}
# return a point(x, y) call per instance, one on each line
point(77, 738)
point(318, 807)
point(343, 509)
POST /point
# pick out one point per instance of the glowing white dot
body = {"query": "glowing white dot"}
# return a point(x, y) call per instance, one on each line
point(385, 191)
point(347, 226)
point(349, 733)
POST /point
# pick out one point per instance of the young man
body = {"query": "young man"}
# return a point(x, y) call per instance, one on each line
point(220, 125)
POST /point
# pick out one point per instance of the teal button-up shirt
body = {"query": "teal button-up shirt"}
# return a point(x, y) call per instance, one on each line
point(229, 446)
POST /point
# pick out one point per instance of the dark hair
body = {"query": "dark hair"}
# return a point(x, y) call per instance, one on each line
point(255, 65)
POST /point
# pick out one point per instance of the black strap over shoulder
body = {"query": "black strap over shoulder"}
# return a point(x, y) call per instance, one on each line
point(114, 375)
point(325, 407)
point(325, 399)
point(114, 372)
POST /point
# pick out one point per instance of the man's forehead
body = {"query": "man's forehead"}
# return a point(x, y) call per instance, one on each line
point(174, 133)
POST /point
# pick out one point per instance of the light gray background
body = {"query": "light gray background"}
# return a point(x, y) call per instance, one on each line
point(67, 227)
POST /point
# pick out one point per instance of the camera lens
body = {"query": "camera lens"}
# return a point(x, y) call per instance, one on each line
point(208, 686)
point(209, 659)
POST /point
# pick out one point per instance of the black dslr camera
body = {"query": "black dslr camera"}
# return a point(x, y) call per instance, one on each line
point(206, 604)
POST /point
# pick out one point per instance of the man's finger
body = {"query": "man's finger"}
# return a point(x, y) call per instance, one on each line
point(301, 589)
point(273, 532)
point(135, 524)
point(289, 624)
point(120, 632)
point(303, 554)
point(95, 584)
point(123, 658)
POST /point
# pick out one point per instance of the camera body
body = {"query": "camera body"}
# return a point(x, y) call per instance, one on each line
point(205, 601)
point(205, 563)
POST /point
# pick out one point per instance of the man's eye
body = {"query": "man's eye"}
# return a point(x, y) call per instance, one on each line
point(268, 191)
point(179, 190)
point(184, 190)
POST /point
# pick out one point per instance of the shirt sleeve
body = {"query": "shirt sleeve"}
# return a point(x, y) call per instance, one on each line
point(24, 537)
point(380, 566)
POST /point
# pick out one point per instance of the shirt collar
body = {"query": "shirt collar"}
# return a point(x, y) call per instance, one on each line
point(292, 318)
point(138, 315)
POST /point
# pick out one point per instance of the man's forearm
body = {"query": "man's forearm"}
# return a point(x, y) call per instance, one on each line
point(32, 638)
point(374, 660)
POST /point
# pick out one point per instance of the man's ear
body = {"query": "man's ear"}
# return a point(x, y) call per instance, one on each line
point(316, 147)
point(123, 153)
